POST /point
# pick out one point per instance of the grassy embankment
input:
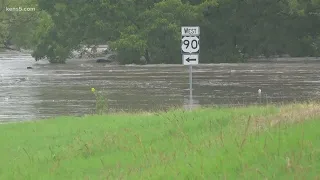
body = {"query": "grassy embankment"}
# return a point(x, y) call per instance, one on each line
point(209, 143)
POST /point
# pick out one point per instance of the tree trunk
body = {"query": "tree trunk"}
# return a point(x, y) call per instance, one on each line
point(146, 55)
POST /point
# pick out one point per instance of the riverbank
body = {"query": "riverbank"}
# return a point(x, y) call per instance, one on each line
point(285, 60)
point(103, 52)
point(209, 143)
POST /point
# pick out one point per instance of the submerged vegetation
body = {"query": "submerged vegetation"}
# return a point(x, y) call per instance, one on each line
point(231, 31)
point(266, 142)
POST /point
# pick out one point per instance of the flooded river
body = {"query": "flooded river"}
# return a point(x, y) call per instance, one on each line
point(50, 90)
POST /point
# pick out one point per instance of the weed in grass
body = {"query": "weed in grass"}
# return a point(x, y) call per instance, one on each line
point(245, 133)
point(101, 101)
point(30, 159)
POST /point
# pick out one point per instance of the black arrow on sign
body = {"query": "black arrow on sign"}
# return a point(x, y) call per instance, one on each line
point(189, 59)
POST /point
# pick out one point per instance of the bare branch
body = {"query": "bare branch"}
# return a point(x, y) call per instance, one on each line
point(9, 48)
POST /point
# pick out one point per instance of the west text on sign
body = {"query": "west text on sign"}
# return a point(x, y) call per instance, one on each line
point(190, 31)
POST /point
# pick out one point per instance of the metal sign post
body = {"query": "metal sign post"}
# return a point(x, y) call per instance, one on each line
point(190, 49)
point(190, 87)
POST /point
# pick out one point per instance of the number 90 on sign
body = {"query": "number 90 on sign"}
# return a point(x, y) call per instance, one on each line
point(190, 44)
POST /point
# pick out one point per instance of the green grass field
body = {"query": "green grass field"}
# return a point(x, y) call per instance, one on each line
point(209, 143)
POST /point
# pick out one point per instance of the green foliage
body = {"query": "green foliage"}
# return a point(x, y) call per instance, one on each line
point(3, 32)
point(130, 46)
point(51, 46)
point(231, 31)
point(163, 26)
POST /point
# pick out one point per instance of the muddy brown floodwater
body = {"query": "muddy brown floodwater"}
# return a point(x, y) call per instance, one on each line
point(50, 90)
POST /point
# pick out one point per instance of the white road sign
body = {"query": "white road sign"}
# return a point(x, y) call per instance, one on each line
point(190, 44)
point(190, 31)
point(190, 59)
point(190, 49)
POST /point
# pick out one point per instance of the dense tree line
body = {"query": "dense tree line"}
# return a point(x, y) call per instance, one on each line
point(231, 30)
